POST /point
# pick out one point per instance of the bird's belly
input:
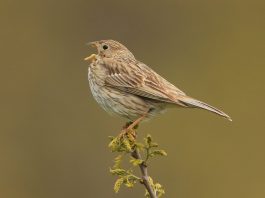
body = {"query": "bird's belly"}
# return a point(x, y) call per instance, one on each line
point(123, 104)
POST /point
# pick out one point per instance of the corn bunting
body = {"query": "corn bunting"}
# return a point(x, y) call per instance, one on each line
point(124, 86)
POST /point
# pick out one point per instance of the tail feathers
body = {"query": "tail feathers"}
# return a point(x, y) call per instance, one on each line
point(190, 102)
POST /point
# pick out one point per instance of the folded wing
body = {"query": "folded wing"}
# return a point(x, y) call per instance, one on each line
point(136, 78)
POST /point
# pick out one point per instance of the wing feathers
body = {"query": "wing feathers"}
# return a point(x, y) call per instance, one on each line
point(136, 78)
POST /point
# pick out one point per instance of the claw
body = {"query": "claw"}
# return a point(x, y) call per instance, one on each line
point(127, 134)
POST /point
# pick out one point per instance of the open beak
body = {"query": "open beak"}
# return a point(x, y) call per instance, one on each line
point(92, 57)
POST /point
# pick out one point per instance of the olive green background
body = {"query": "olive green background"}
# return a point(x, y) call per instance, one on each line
point(53, 135)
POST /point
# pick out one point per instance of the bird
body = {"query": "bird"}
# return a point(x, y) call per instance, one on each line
point(125, 86)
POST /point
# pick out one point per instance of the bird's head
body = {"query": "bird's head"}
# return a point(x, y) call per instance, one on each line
point(111, 49)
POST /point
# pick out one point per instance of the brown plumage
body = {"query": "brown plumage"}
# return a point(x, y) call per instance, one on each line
point(127, 87)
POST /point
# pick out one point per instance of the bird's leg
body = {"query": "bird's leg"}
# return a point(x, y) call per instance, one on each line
point(128, 129)
point(130, 126)
point(136, 122)
point(127, 125)
point(126, 132)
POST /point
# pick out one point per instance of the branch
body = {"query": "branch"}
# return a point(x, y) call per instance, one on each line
point(136, 154)
point(125, 143)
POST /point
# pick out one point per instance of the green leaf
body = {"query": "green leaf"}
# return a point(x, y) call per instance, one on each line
point(119, 172)
point(117, 161)
point(127, 145)
point(148, 139)
point(159, 190)
point(149, 142)
point(139, 145)
point(129, 184)
point(118, 184)
point(114, 144)
point(158, 152)
point(134, 178)
point(136, 162)
point(153, 144)
point(147, 195)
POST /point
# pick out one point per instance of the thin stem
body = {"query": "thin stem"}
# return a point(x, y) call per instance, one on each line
point(147, 154)
point(145, 177)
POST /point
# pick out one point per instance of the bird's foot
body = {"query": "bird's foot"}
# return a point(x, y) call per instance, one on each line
point(128, 124)
point(128, 132)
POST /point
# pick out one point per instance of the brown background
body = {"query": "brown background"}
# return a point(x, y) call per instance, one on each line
point(53, 135)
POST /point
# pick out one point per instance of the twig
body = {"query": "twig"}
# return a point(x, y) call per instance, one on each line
point(126, 143)
point(145, 177)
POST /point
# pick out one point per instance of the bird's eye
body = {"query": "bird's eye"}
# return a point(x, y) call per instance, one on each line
point(105, 47)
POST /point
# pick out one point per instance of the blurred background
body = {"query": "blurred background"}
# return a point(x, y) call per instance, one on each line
point(54, 136)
